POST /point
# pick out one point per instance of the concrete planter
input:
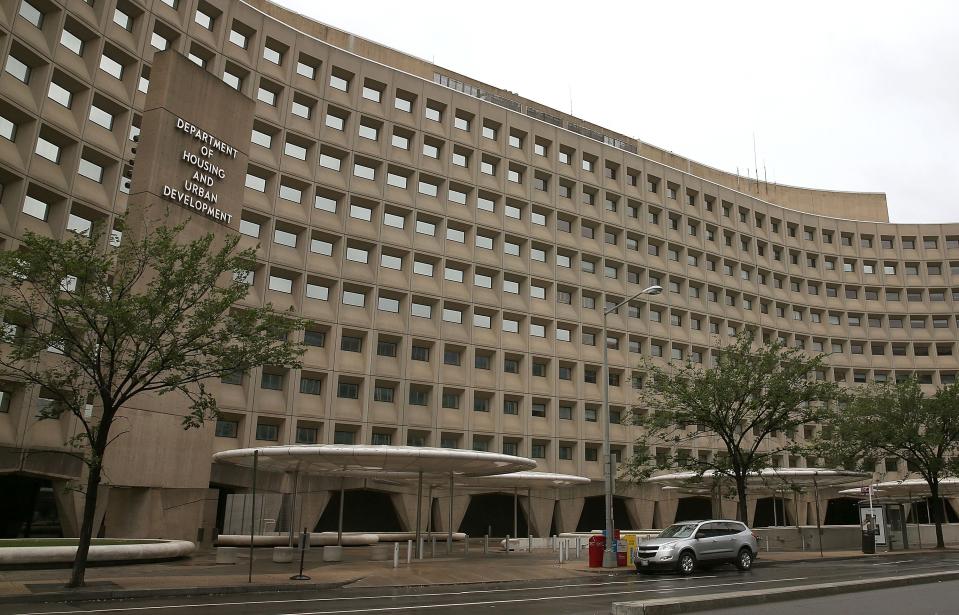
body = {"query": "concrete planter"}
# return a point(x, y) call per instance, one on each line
point(159, 550)
point(332, 553)
point(283, 555)
point(226, 555)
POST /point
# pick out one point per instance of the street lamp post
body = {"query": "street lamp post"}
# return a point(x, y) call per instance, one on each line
point(609, 554)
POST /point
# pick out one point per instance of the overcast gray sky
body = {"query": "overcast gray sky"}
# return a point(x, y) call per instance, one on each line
point(840, 95)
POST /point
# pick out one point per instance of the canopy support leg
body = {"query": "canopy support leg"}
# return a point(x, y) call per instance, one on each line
point(339, 524)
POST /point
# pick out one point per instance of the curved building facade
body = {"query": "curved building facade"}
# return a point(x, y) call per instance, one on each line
point(453, 246)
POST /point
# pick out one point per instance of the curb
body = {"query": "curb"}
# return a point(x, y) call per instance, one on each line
point(83, 595)
point(670, 606)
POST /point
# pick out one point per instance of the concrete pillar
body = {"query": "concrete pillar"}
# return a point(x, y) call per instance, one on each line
point(70, 508)
point(811, 511)
point(641, 510)
point(727, 508)
point(132, 512)
point(309, 509)
point(717, 506)
point(569, 511)
point(751, 509)
point(664, 512)
point(954, 503)
point(460, 504)
point(405, 505)
point(541, 515)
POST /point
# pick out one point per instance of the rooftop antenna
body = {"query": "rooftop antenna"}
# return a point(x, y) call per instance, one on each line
point(765, 177)
point(570, 87)
point(755, 162)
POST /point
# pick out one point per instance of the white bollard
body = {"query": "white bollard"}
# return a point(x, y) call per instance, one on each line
point(420, 550)
point(466, 544)
point(486, 544)
point(409, 551)
point(396, 555)
point(433, 546)
point(507, 544)
point(578, 545)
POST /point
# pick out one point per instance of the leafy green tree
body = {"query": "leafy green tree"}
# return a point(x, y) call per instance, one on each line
point(897, 419)
point(96, 326)
point(751, 393)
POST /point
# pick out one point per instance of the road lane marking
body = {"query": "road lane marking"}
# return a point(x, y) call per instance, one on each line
point(516, 600)
point(902, 561)
point(372, 597)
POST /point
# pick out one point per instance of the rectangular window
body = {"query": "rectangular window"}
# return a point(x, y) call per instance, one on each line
point(354, 298)
point(226, 428)
point(90, 170)
point(344, 437)
point(270, 381)
point(348, 390)
point(386, 348)
point(111, 66)
point(35, 207)
point(18, 69)
point(48, 150)
point(314, 338)
point(384, 394)
point(310, 386)
point(307, 435)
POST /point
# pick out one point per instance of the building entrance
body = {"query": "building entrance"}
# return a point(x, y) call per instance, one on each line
point(28, 508)
point(492, 513)
point(363, 511)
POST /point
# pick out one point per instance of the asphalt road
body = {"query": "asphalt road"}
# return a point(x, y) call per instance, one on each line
point(928, 599)
point(579, 596)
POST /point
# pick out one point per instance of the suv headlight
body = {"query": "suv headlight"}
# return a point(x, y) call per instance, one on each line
point(666, 550)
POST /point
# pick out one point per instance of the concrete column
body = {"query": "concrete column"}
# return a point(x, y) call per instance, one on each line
point(954, 502)
point(309, 509)
point(717, 506)
point(641, 510)
point(751, 509)
point(803, 508)
point(405, 505)
point(70, 508)
point(541, 515)
point(569, 510)
point(811, 511)
point(133, 512)
point(460, 504)
point(727, 508)
point(664, 511)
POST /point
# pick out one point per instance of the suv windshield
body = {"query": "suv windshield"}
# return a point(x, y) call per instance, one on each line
point(679, 530)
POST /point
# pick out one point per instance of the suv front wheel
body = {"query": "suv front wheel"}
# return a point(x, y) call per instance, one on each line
point(744, 561)
point(686, 563)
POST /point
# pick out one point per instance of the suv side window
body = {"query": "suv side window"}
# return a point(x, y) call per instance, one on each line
point(733, 528)
point(710, 530)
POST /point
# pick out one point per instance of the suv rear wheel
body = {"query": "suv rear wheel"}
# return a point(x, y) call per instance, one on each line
point(686, 563)
point(744, 561)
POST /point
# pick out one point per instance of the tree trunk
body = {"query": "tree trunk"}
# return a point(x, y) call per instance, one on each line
point(741, 492)
point(86, 527)
point(937, 513)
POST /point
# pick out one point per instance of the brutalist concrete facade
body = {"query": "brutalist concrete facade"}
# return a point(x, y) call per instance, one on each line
point(453, 245)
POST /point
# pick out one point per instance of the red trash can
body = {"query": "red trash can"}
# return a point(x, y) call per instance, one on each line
point(621, 547)
point(595, 551)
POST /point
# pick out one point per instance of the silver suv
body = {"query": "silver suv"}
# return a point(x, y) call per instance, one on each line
point(684, 546)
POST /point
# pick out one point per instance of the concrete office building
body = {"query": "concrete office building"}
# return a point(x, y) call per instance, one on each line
point(453, 244)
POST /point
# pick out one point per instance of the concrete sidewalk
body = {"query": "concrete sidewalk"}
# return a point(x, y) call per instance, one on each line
point(201, 575)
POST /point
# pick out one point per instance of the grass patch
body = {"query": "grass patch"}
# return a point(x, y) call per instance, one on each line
point(69, 542)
